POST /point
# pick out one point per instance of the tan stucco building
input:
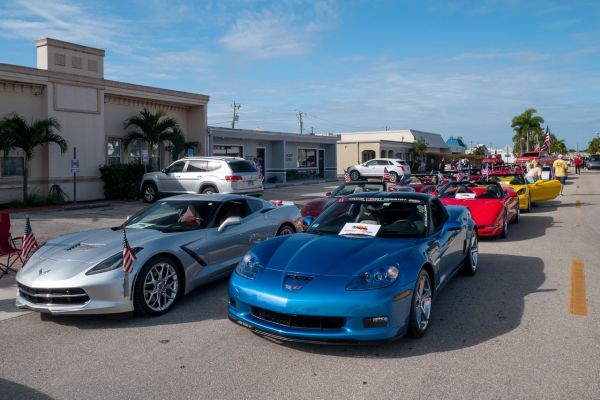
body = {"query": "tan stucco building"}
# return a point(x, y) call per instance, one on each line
point(358, 147)
point(68, 84)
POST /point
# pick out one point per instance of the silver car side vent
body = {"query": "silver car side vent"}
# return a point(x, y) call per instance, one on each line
point(199, 259)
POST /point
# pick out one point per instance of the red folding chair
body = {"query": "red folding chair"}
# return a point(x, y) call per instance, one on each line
point(8, 249)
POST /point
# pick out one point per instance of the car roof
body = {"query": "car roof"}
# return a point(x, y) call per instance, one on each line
point(214, 158)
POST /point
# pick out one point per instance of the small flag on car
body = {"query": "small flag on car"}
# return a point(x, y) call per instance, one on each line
point(29, 241)
point(128, 254)
point(386, 174)
point(346, 177)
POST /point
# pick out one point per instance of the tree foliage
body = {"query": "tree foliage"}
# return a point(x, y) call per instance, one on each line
point(479, 151)
point(528, 130)
point(419, 147)
point(557, 145)
point(594, 146)
point(152, 129)
point(18, 134)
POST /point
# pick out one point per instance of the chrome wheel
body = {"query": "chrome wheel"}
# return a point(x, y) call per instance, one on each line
point(474, 252)
point(354, 175)
point(422, 305)
point(149, 193)
point(161, 286)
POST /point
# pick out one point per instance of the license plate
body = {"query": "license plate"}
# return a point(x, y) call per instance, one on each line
point(250, 183)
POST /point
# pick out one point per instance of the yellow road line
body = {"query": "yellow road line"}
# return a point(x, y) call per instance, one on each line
point(577, 295)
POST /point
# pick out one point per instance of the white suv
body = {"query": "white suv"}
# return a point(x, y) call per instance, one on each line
point(375, 168)
point(203, 175)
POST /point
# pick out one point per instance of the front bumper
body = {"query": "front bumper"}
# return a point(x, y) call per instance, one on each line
point(352, 306)
point(105, 292)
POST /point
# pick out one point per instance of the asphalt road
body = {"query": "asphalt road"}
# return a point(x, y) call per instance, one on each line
point(506, 333)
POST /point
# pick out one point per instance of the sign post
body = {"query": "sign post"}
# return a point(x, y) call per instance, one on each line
point(74, 170)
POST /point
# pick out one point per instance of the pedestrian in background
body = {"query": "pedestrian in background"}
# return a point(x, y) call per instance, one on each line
point(442, 165)
point(560, 171)
point(578, 161)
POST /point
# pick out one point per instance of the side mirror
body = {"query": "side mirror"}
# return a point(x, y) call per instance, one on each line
point(228, 222)
point(453, 226)
point(328, 194)
point(164, 170)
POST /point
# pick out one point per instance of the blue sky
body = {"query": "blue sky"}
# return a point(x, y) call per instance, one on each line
point(459, 68)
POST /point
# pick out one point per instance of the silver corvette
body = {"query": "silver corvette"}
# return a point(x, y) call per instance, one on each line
point(181, 242)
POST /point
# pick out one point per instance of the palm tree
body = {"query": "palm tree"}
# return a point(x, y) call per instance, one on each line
point(180, 145)
point(528, 129)
point(154, 129)
point(21, 135)
point(557, 146)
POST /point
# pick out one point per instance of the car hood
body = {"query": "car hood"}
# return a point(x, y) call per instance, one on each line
point(333, 255)
point(483, 211)
point(67, 256)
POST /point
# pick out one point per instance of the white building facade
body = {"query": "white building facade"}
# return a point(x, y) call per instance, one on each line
point(68, 84)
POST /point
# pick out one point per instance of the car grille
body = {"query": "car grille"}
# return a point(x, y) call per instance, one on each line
point(54, 296)
point(298, 321)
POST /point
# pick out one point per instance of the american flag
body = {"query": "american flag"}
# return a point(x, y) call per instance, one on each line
point(386, 174)
point(128, 254)
point(459, 176)
point(346, 176)
point(537, 147)
point(547, 140)
point(485, 172)
point(29, 242)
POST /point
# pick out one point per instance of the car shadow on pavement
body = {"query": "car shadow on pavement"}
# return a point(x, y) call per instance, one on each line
point(571, 201)
point(207, 302)
point(16, 391)
point(468, 311)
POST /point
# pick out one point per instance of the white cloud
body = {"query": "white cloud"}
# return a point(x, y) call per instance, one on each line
point(272, 33)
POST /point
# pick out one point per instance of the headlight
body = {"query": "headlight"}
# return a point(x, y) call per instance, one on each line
point(374, 279)
point(521, 191)
point(248, 266)
point(111, 263)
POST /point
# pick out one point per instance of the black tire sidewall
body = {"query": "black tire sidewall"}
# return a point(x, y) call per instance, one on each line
point(282, 228)
point(154, 188)
point(353, 174)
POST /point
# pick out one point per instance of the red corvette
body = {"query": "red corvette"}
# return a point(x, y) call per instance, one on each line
point(492, 206)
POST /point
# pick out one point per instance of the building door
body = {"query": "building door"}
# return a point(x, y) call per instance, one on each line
point(321, 158)
point(260, 156)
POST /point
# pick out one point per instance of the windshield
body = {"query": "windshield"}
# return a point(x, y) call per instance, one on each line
point(350, 188)
point(381, 217)
point(510, 179)
point(466, 190)
point(170, 216)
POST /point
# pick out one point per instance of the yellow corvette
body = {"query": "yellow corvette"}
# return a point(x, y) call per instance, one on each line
point(530, 192)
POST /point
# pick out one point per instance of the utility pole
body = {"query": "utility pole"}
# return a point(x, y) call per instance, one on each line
point(236, 117)
point(300, 116)
point(312, 130)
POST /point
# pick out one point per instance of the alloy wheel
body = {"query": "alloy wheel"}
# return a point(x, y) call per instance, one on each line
point(423, 302)
point(161, 286)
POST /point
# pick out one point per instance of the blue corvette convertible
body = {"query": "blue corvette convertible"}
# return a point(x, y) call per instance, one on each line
point(367, 269)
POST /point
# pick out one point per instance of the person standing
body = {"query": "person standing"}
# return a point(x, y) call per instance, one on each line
point(534, 173)
point(578, 161)
point(442, 165)
point(560, 171)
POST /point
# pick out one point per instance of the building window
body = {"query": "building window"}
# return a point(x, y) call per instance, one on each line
point(228, 151)
point(368, 155)
point(76, 62)
point(113, 151)
point(11, 166)
point(307, 158)
point(135, 152)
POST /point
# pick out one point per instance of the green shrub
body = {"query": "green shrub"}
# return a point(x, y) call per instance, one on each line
point(122, 181)
point(272, 179)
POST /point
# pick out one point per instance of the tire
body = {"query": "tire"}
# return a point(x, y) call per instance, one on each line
point(393, 177)
point(209, 190)
point(150, 192)
point(355, 175)
point(156, 287)
point(518, 216)
point(420, 310)
point(285, 230)
point(528, 209)
point(469, 267)
point(504, 232)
